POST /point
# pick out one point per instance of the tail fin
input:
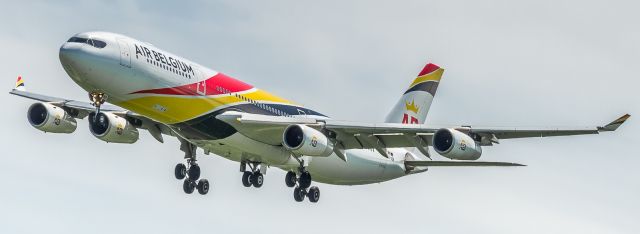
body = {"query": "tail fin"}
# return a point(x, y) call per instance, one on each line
point(416, 101)
point(20, 84)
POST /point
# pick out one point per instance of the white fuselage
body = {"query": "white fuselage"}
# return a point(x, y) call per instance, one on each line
point(151, 82)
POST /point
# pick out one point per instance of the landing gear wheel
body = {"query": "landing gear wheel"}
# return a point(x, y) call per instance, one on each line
point(188, 186)
point(305, 180)
point(180, 171)
point(314, 194)
point(257, 179)
point(194, 172)
point(203, 186)
point(298, 194)
point(290, 179)
point(246, 179)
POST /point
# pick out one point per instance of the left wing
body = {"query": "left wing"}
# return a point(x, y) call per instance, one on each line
point(350, 135)
point(80, 110)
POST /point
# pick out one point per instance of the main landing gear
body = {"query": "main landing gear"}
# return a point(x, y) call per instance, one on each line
point(301, 184)
point(191, 171)
point(253, 178)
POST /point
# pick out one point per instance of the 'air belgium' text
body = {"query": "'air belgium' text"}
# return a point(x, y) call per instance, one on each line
point(159, 57)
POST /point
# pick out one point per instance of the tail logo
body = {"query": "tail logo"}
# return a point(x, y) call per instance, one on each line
point(412, 106)
point(405, 119)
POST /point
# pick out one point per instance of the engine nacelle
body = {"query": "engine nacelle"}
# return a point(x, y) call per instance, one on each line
point(303, 140)
point(112, 128)
point(49, 118)
point(454, 144)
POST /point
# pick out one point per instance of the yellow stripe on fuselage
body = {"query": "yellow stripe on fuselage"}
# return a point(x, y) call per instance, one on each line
point(171, 109)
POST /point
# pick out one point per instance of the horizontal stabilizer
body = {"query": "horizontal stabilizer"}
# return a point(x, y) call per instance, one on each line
point(460, 164)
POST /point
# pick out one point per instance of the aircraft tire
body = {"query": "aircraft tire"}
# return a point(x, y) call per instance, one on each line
point(203, 186)
point(188, 186)
point(305, 180)
point(194, 172)
point(298, 194)
point(314, 194)
point(180, 171)
point(290, 179)
point(257, 179)
point(246, 179)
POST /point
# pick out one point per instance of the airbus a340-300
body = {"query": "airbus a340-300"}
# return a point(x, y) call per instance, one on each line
point(168, 95)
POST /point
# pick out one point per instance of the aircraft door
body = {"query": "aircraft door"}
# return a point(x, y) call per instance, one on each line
point(201, 88)
point(125, 53)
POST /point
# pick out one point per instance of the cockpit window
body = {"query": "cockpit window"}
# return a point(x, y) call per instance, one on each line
point(77, 39)
point(92, 42)
point(98, 43)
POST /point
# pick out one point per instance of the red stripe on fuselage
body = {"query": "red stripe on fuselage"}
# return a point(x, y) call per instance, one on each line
point(218, 84)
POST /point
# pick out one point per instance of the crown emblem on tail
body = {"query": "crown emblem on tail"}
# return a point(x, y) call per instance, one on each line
point(412, 106)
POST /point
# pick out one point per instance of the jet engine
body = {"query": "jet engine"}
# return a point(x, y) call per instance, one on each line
point(112, 128)
point(49, 118)
point(304, 140)
point(454, 144)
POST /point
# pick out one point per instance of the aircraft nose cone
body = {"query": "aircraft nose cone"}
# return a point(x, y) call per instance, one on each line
point(71, 58)
point(68, 52)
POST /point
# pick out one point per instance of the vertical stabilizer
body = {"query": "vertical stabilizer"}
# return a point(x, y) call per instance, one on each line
point(414, 105)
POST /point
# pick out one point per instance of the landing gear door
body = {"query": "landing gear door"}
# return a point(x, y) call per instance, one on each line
point(125, 53)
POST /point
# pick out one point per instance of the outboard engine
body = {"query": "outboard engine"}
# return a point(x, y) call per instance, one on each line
point(50, 118)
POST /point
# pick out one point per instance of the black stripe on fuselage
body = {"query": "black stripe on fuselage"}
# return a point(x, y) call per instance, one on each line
point(429, 86)
point(208, 127)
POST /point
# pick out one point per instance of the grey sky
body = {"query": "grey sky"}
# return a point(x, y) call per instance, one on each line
point(509, 63)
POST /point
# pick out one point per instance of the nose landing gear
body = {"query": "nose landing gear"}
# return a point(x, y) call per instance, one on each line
point(97, 99)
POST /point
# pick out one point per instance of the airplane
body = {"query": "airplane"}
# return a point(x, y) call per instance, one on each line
point(168, 95)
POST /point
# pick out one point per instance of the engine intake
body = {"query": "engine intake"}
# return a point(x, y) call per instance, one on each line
point(304, 140)
point(454, 144)
point(49, 118)
point(112, 128)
